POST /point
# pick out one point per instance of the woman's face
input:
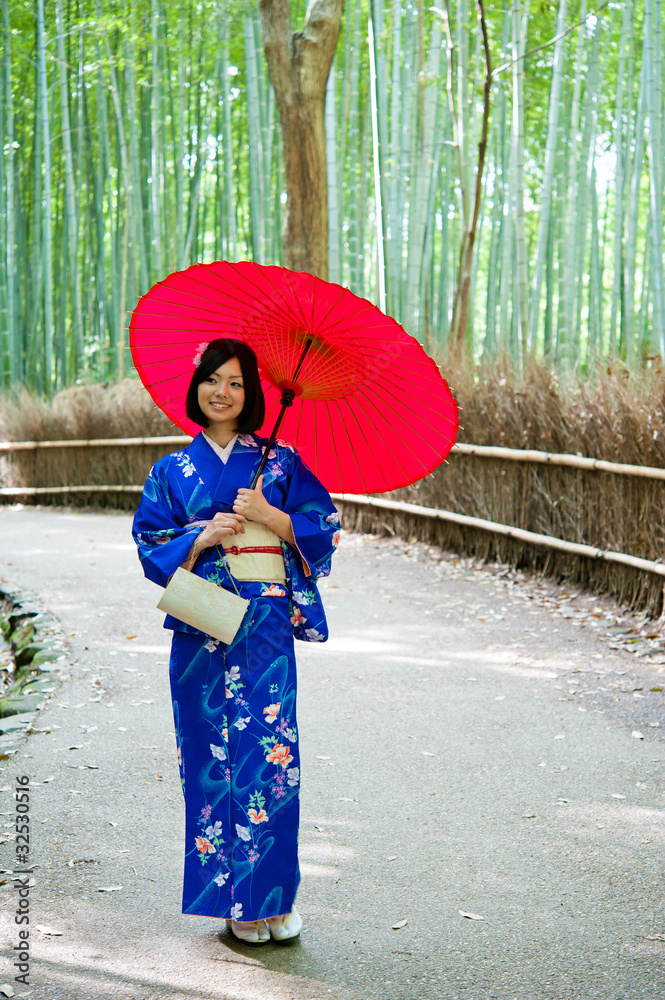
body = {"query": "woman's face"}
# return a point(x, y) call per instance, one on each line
point(222, 395)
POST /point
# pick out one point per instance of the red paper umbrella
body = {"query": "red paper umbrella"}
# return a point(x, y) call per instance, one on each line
point(370, 411)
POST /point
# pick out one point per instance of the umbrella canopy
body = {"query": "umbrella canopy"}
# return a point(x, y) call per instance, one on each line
point(371, 412)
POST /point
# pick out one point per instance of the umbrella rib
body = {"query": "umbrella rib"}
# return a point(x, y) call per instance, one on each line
point(392, 429)
point(342, 421)
point(287, 276)
point(378, 390)
point(363, 433)
point(237, 296)
point(239, 273)
point(320, 326)
point(334, 449)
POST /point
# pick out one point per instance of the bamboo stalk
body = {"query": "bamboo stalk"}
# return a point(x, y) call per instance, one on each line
point(548, 178)
point(627, 23)
point(334, 207)
point(255, 141)
point(394, 222)
point(565, 329)
point(521, 262)
point(47, 360)
point(9, 192)
point(654, 147)
point(508, 531)
point(70, 188)
point(378, 202)
point(228, 148)
point(155, 142)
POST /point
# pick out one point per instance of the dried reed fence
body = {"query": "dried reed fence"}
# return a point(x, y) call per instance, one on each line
point(92, 412)
point(615, 418)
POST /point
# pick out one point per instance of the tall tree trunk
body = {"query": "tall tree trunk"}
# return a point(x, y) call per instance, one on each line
point(299, 63)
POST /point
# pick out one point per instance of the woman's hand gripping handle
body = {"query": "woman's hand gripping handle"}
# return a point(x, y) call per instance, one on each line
point(221, 526)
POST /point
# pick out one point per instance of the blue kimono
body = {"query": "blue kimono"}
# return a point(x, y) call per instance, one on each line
point(234, 705)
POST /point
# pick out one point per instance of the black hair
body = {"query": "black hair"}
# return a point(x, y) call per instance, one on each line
point(217, 353)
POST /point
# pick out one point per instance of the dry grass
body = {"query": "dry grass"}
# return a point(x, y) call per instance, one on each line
point(123, 409)
point(615, 417)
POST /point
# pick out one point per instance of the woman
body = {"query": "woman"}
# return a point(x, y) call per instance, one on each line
point(234, 705)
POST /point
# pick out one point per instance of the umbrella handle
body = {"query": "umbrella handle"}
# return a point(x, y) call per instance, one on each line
point(288, 395)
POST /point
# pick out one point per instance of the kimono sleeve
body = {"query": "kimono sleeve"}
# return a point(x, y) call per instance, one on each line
point(163, 544)
point(314, 519)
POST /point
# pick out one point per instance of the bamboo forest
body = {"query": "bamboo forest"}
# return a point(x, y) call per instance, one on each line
point(513, 148)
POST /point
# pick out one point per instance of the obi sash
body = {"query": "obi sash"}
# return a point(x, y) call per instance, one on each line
point(256, 555)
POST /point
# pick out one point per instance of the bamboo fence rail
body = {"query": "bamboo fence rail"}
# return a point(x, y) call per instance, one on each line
point(545, 511)
point(414, 510)
point(480, 451)
point(520, 534)
point(9, 446)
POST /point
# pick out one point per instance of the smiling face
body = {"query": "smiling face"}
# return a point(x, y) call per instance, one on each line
point(222, 398)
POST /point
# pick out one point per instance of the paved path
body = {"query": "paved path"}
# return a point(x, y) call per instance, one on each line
point(464, 748)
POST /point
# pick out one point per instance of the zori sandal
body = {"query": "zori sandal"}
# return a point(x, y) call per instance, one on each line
point(285, 927)
point(249, 931)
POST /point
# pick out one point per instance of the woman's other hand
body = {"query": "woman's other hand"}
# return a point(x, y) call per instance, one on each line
point(252, 505)
point(221, 526)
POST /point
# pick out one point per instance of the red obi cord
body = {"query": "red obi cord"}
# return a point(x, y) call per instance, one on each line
point(272, 549)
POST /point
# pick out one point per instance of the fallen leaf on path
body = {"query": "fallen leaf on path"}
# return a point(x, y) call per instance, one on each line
point(470, 916)
point(400, 924)
point(109, 888)
point(131, 637)
point(48, 930)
